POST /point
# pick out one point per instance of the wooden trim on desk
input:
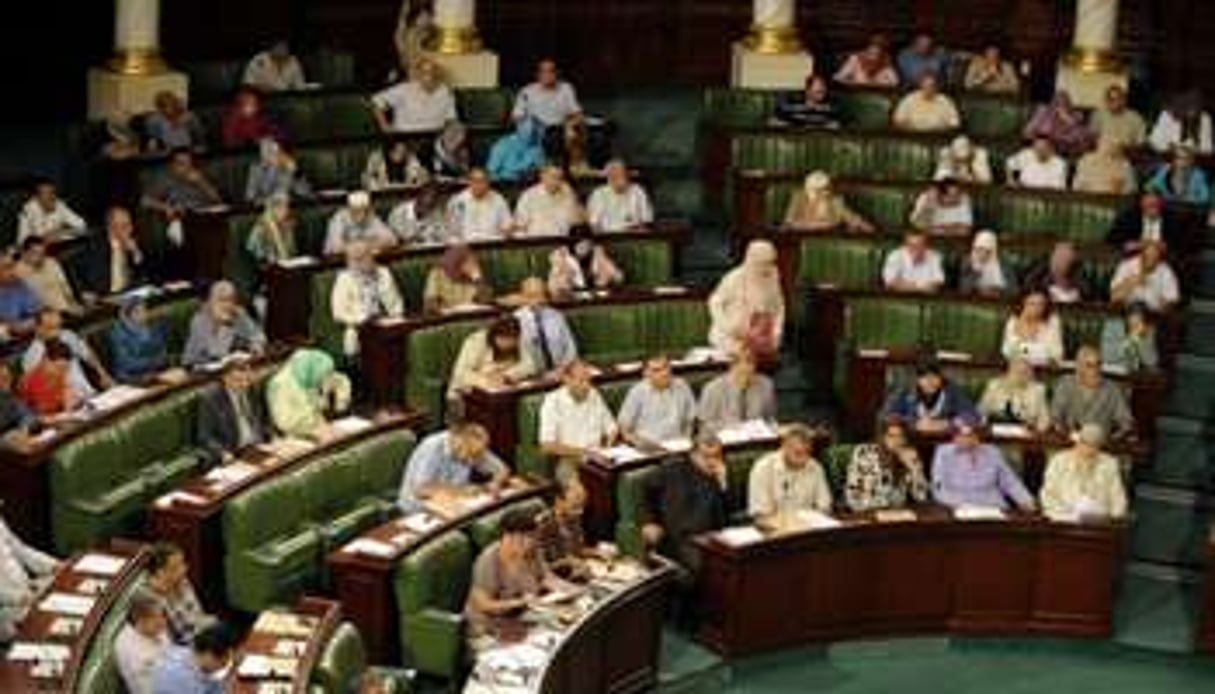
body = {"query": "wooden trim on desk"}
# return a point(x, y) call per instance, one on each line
point(329, 614)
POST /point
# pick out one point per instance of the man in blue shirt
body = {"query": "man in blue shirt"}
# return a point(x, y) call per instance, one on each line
point(922, 57)
point(447, 460)
point(198, 670)
point(18, 304)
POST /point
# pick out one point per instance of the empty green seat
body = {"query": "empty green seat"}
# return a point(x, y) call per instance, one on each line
point(343, 658)
point(843, 263)
point(963, 327)
point(878, 323)
point(993, 116)
point(484, 107)
point(867, 109)
point(431, 585)
point(738, 108)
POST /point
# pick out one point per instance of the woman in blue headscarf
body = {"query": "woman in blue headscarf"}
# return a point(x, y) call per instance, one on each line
point(137, 346)
point(518, 155)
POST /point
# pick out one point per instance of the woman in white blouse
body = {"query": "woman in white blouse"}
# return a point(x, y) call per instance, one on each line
point(1034, 331)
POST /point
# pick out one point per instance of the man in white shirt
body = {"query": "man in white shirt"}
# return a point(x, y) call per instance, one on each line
point(421, 104)
point(926, 109)
point(23, 573)
point(142, 642)
point(1037, 166)
point(479, 213)
point(913, 267)
point(275, 70)
point(45, 215)
point(658, 408)
point(620, 204)
point(548, 208)
point(1146, 278)
point(944, 209)
point(357, 221)
point(549, 99)
point(790, 479)
point(574, 418)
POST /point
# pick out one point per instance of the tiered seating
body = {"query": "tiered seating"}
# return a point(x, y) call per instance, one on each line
point(212, 80)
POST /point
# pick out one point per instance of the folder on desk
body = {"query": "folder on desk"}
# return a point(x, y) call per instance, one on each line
point(741, 535)
point(99, 564)
point(67, 603)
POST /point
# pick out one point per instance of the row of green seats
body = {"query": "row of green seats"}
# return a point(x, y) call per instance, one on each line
point(214, 80)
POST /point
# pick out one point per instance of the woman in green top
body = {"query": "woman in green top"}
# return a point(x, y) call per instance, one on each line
point(304, 391)
point(273, 236)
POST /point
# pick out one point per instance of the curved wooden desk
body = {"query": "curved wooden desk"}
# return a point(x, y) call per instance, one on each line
point(308, 626)
point(1025, 575)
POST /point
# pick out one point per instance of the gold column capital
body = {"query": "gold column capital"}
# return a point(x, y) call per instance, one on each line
point(137, 61)
point(773, 40)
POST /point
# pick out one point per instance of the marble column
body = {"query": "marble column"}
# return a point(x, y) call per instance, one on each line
point(130, 81)
point(772, 55)
point(137, 38)
point(1092, 65)
point(457, 48)
point(774, 27)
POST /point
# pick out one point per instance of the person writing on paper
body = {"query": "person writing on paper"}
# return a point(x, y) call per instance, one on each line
point(559, 530)
point(362, 292)
point(740, 395)
point(1128, 342)
point(1034, 331)
point(913, 267)
point(196, 670)
point(492, 358)
point(574, 419)
point(480, 213)
point(816, 207)
point(182, 188)
point(619, 204)
point(686, 498)
point(138, 348)
point(945, 209)
point(303, 392)
point(657, 409)
point(969, 472)
point(24, 572)
point(115, 262)
point(790, 479)
point(272, 238)
point(1146, 278)
point(747, 309)
point(550, 207)
point(221, 327)
point(887, 473)
point(581, 264)
point(455, 281)
point(230, 417)
point(543, 330)
point(142, 642)
point(47, 387)
point(49, 326)
point(931, 403)
point(1083, 481)
point(1087, 397)
point(168, 578)
point(1016, 398)
point(357, 221)
point(16, 418)
point(450, 462)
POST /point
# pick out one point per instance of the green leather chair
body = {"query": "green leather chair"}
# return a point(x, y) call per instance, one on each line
point(431, 585)
point(867, 109)
point(342, 660)
point(963, 327)
point(484, 531)
point(883, 323)
point(844, 263)
point(993, 116)
point(489, 107)
point(98, 671)
point(737, 108)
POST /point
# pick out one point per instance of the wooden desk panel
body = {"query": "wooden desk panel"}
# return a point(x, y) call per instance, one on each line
point(323, 617)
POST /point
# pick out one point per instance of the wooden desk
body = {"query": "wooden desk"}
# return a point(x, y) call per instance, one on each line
point(362, 581)
point(1021, 576)
point(1206, 633)
point(310, 623)
point(37, 626)
point(191, 516)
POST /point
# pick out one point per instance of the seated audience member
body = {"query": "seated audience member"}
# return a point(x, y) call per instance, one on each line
point(1105, 170)
point(479, 212)
point(1083, 482)
point(927, 109)
point(455, 281)
point(1180, 180)
point(422, 219)
point(813, 108)
point(45, 276)
point(168, 579)
point(742, 394)
point(245, 121)
point(23, 574)
point(197, 669)
point(581, 264)
point(362, 292)
point(929, 404)
point(816, 207)
point(548, 208)
point(170, 126)
point(47, 217)
point(969, 472)
point(1034, 331)
point(685, 499)
point(1060, 276)
point(305, 390)
point(1118, 123)
point(16, 418)
point(790, 479)
point(452, 157)
point(417, 105)
point(559, 536)
point(275, 70)
point(272, 239)
point(870, 66)
point(657, 409)
point(747, 308)
point(1149, 221)
point(357, 221)
point(1146, 278)
point(138, 347)
point(1182, 122)
point(886, 473)
point(275, 173)
point(49, 326)
point(115, 262)
point(1088, 397)
point(142, 642)
point(1061, 124)
point(619, 204)
point(1129, 342)
point(963, 161)
point(230, 415)
point(544, 333)
point(913, 267)
point(394, 165)
point(220, 327)
point(519, 155)
point(574, 419)
point(549, 100)
point(19, 305)
point(491, 358)
point(1037, 166)
point(945, 209)
point(989, 72)
point(983, 272)
point(450, 462)
point(1015, 397)
point(922, 57)
point(182, 188)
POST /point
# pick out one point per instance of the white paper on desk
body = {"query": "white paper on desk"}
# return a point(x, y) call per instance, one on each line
point(44, 436)
point(287, 448)
point(523, 656)
point(947, 355)
point(420, 523)
point(751, 430)
point(1010, 431)
point(621, 454)
point(629, 366)
point(670, 290)
point(474, 502)
point(390, 321)
point(231, 474)
point(816, 520)
point(26, 651)
point(99, 564)
point(702, 355)
point(218, 208)
point(176, 286)
point(332, 193)
point(371, 548)
point(740, 535)
point(1115, 369)
point(968, 512)
point(679, 445)
point(116, 397)
point(256, 666)
point(465, 308)
point(67, 603)
point(299, 261)
point(167, 500)
point(92, 586)
point(873, 353)
point(349, 426)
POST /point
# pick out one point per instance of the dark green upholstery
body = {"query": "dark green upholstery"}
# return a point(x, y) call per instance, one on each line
point(962, 327)
point(993, 116)
point(489, 107)
point(485, 530)
point(431, 585)
point(867, 109)
point(98, 671)
point(276, 534)
point(343, 658)
point(844, 263)
point(881, 323)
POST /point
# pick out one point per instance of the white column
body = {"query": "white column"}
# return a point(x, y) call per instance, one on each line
point(774, 27)
point(771, 56)
point(458, 49)
point(1096, 25)
point(1092, 65)
point(129, 82)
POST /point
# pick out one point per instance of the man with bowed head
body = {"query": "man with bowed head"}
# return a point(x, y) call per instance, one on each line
point(450, 462)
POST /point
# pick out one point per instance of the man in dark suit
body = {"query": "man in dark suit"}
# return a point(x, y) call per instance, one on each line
point(114, 262)
point(1149, 221)
point(230, 416)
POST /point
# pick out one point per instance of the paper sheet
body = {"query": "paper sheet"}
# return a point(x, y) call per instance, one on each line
point(741, 535)
point(99, 564)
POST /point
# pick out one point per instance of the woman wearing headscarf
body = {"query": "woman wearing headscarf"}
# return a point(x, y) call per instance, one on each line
point(1105, 170)
point(138, 349)
point(816, 207)
point(393, 166)
point(362, 291)
point(492, 358)
point(983, 271)
point(747, 309)
point(274, 173)
point(456, 280)
point(871, 67)
point(1183, 122)
point(1015, 397)
point(519, 155)
point(581, 264)
point(1061, 123)
point(304, 392)
point(272, 238)
point(451, 156)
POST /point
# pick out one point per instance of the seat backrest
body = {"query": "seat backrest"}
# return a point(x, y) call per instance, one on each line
point(98, 671)
point(883, 322)
point(737, 108)
point(485, 529)
point(844, 263)
point(964, 327)
point(486, 107)
point(343, 658)
point(435, 575)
